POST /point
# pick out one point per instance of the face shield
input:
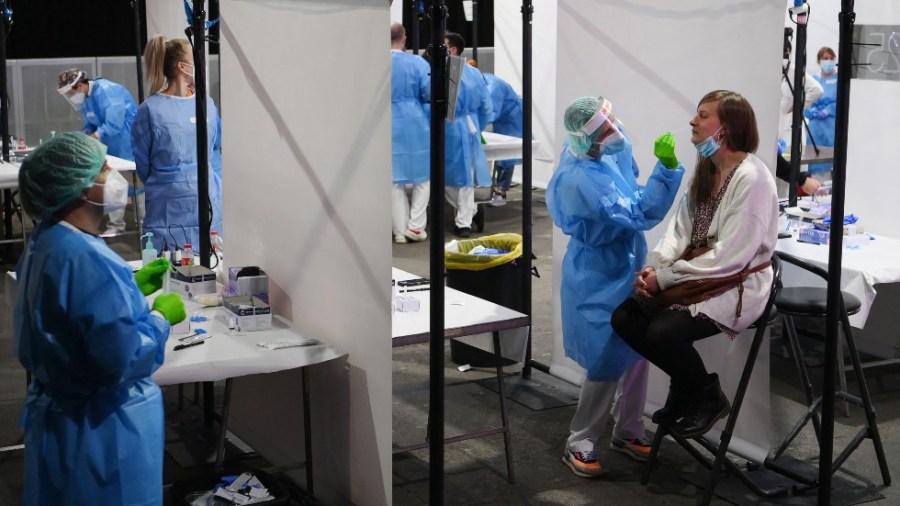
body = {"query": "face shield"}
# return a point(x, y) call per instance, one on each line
point(70, 92)
point(603, 126)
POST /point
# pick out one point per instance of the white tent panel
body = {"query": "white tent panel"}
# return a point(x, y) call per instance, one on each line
point(655, 61)
point(306, 173)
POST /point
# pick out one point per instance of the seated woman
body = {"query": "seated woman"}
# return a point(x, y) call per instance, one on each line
point(723, 233)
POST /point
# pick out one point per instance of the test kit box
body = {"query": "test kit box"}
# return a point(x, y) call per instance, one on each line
point(817, 236)
point(250, 312)
point(813, 235)
point(190, 280)
point(406, 304)
point(251, 281)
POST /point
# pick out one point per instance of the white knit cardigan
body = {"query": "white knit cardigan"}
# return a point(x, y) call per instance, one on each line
point(742, 234)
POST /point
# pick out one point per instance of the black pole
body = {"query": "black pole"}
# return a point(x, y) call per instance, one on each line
point(809, 134)
point(475, 31)
point(436, 390)
point(4, 117)
point(835, 248)
point(527, 12)
point(198, 27)
point(799, 98)
point(136, 7)
point(414, 16)
point(4, 92)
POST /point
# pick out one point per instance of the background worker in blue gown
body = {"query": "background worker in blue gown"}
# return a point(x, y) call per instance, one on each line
point(108, 111)
point(410, 139)
point(164, 137)
point(506, 120)
point(821, 112)
point(594, 198)
point(93, 417)
point(466, 163)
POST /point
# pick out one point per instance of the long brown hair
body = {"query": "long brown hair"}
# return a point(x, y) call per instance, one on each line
point(161, 59)
point(739, 133)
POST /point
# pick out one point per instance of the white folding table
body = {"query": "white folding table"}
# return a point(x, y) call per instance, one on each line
point(465, 315)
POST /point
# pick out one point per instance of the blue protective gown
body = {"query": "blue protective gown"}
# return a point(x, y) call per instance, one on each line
point(820, 116)
point(109, 110)
point(164, 136)
point(507, 116)
point(466, 164)
point(93, 418)
point(410, 121)
point(603, 210)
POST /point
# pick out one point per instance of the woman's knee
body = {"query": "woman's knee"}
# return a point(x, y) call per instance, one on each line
point(671, 330)
point(622, 320)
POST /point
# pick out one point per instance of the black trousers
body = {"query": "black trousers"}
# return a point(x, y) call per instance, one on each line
point(666, 339)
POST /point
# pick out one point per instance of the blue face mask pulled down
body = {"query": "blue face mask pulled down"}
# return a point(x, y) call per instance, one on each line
point(708, 146)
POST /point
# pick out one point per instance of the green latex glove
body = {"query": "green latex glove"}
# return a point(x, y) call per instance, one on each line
point(664, 149)
point(150, 278)
point(171, 306)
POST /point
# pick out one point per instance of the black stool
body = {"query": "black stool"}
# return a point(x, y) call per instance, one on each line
point(768, 316)
point(812, 302)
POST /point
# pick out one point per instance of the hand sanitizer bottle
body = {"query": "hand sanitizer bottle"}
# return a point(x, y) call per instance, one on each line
point(148, 254)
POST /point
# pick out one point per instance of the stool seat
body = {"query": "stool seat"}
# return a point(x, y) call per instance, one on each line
point(811, 301)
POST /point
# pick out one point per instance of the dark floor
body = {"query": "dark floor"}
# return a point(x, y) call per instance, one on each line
point(475, 470)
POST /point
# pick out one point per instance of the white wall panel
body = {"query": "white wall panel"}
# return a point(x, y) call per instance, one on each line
point(167, 18)
point(306, 176)
point(508, 66)
point(655, 61)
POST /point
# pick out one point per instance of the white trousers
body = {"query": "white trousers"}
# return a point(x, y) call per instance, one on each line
point(626, 397)
point(463, 200)
point(405, 215)
point(117, 218)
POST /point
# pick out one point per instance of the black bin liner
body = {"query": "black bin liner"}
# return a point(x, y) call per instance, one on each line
point(498, 280)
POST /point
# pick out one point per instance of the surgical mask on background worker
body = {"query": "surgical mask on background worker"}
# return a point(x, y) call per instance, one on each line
point(191, 73)
point(828, 66)
point(708, 146)
point(76, 100)
point(115, 193)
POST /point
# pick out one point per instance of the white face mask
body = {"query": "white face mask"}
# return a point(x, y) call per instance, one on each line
point(192, 69)
point(115, 193)
point(76, 100)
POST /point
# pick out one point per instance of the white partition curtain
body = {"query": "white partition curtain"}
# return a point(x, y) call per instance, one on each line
point(315, 102)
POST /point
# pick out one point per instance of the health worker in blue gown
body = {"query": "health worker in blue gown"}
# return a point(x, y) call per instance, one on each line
point(821, 113)
point(164, 136)
point(108, 111)
point(466, 164)
point(594, 198)
point(107, 108)
point(93, 417)
point(507, 120)
point(410, 139)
